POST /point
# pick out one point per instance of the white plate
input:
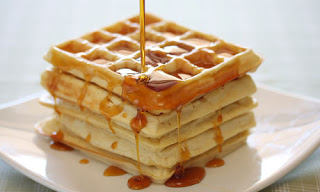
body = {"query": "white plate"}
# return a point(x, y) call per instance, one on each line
point(288, 131)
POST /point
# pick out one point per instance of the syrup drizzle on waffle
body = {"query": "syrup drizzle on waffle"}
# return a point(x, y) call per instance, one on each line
point(196, 61)
point(218, 134)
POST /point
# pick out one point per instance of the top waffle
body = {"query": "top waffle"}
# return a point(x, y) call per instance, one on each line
point(182, 64)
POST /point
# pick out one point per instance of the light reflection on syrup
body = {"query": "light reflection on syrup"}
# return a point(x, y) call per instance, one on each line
point(216, 162)
point(84, 161)
point(101, 61)
point(113, 171)
point(56, 145)
point(139, 182)
point(175, 50)
point(190, 176)
point(123, 51)
point(57, 135)
point(197, 41)
point(169, 34)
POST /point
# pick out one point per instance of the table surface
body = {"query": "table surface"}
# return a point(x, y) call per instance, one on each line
point(286, 33)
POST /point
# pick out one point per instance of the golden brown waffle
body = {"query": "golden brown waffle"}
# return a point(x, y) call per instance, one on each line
point(182, 64)
point(156, 173)
point(68, 88)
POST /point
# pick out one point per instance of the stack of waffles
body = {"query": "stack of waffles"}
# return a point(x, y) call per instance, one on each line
point(191, 105)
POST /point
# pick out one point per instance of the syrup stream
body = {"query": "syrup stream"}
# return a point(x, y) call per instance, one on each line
point(138, 152)
point(140, 121)
point(142, 36)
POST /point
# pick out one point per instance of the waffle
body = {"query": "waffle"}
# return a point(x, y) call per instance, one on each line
point(191, 104)
point(154, 144)
point(69, 88)
point(166, 157)
point(158, 174)
point(182, 63)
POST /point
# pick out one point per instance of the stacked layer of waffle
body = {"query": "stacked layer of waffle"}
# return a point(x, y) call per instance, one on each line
point(191, 105)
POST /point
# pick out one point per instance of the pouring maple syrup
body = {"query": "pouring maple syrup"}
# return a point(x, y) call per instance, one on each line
point(140, 121)
point(137, 124)
point(142, 36)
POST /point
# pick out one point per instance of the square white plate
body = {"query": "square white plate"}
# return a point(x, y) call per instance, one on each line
point(288, 131)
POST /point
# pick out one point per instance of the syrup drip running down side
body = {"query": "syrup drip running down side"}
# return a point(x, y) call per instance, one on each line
point(184, 153)
point(108, 109)
point(56, 144)
point(216, 162)
point(52, 89)
point(179, 138)
point(83, 92)
point(113, 171)
point(57, 136)
point(55, 106)
point(218, 134)
point(184, 177)
point(137, 124)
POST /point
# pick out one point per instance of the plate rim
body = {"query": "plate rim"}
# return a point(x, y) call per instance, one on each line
point(284, 170)
point(32, 175)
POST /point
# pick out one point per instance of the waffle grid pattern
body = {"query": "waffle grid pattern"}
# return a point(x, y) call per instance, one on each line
point(187, 56)
point(108, 47)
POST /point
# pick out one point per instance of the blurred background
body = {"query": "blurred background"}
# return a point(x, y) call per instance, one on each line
point(286, 33)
